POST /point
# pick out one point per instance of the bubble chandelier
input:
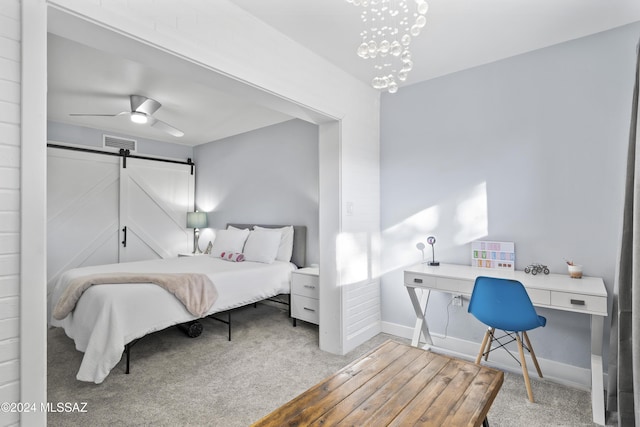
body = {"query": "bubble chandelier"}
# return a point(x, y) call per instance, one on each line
point(390, 25)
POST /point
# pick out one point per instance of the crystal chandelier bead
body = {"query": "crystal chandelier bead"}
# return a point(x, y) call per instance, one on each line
point(423, 7)
point(363, 50)
point(384, 47)
point(396, 48)
point(407, 66)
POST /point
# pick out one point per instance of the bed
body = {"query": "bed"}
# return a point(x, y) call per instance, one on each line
point(108, 318)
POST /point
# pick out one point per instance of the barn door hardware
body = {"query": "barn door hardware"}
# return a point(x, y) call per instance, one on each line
point(124, 153)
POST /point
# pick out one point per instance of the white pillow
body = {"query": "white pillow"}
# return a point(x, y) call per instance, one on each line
point(229, 241)
point(285, 250)
point(262, 246)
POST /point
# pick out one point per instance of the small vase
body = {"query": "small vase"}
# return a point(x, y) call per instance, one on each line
point(575, 271)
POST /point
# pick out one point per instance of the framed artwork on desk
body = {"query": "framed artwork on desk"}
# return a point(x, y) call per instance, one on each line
point(493, 255)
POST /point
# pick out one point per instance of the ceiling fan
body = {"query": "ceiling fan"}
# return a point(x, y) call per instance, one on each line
point(142, 109)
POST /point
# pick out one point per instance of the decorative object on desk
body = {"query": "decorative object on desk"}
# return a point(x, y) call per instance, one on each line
point(196, 220)
point(432, 241)
point(536, 268)
point(209, 246)
point(421, 247)
point(494, 255)
point(575, 270)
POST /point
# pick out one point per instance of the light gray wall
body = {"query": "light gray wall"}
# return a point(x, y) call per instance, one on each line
point(267, 176)
point(80, 135)
point(530, 149)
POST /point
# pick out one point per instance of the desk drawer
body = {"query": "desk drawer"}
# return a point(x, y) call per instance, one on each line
point(419, 280)
point(539, 297)
point(578, 302)
point(306, 309)
point(455, 286)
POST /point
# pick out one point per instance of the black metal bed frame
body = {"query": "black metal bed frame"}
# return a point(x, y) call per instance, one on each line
point(194, 328)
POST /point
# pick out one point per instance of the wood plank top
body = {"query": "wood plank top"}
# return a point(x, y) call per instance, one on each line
point(395, 385)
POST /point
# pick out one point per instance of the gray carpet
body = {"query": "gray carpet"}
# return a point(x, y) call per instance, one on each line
point(209, 381)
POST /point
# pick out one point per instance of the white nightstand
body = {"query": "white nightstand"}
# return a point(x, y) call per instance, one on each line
point(305, 295)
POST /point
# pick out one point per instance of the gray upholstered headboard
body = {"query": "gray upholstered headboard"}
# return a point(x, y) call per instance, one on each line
point(299, 256)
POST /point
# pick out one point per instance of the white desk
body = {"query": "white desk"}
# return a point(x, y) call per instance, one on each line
point(555, 291)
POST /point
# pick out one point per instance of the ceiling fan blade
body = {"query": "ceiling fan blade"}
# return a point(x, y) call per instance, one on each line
point(142, 104)
point(98, 115)
point(159, 124)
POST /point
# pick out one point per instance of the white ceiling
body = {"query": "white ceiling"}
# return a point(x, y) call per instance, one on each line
point(89, 81)
point(460, 34)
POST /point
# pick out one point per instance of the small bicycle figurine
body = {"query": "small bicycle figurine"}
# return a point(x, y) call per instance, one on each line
point(536, 268)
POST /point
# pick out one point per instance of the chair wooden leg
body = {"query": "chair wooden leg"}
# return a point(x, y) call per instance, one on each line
point(525, 373)
point(533, 355)
point(488, 349)
point(482, 346)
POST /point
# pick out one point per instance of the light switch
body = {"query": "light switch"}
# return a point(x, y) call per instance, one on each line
point(349, 208)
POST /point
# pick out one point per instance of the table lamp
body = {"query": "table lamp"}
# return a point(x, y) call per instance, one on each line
point(196, 220)
point(432, 241)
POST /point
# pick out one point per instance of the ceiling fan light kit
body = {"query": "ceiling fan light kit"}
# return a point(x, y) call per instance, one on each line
point(142, 109)
point(140, 118)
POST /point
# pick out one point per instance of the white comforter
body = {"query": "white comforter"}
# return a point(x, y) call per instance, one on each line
point(108, 317)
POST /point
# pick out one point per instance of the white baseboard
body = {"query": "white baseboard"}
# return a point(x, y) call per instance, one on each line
point(362, 336)
point(561, 373)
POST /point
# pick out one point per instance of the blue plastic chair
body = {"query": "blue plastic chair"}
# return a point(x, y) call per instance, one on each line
point(505, 305)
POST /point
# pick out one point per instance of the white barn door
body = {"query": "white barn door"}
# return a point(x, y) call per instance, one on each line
point(82, 210)
point(91, 198)
point(154, 200)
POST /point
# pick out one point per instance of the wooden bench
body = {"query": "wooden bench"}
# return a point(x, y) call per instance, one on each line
point(396, 385)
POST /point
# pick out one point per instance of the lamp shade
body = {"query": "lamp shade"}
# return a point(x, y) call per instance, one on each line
point(196, 219)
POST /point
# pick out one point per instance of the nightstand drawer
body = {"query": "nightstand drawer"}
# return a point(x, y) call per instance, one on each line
point(306, 309)
point(306, 285)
